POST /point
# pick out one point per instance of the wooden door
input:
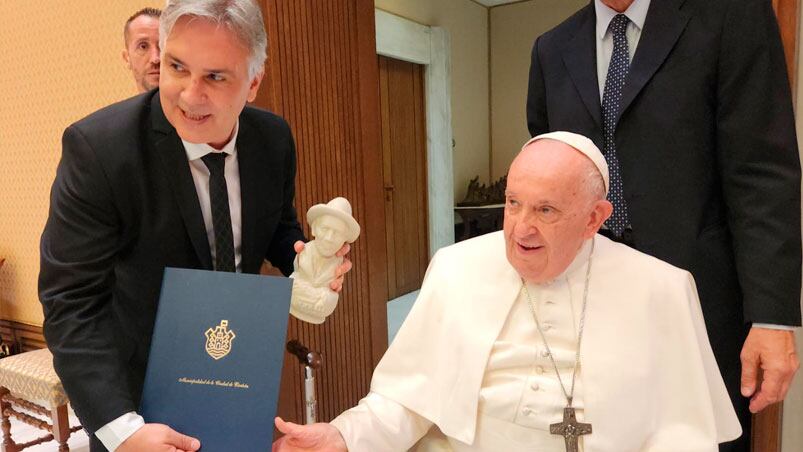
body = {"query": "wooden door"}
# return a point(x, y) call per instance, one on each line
point(404, 172)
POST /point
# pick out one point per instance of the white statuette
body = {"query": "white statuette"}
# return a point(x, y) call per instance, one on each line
point(314, 268)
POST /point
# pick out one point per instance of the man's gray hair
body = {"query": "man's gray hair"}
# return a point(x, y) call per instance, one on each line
point(242, 17)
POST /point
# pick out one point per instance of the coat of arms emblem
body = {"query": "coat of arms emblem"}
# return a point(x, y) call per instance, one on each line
point(218, 340)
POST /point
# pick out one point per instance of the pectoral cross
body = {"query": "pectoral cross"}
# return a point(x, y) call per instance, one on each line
point(570, 429)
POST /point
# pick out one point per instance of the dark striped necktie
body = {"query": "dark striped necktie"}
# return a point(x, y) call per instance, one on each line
point(221, 215)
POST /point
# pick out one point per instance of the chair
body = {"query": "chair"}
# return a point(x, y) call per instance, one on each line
point(28, 380)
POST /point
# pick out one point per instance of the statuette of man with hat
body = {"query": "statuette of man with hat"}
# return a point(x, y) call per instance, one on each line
point(315, 266)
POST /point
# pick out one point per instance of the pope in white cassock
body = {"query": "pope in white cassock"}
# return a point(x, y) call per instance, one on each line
point(543, 337)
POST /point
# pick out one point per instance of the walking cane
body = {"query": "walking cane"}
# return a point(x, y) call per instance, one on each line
point(311, 361)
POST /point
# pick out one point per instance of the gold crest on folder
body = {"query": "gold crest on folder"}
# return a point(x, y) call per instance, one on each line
point(218, 340)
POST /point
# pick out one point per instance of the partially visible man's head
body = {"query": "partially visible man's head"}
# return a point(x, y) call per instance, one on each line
point(141, 53)
point(555, 200)
point(213, 54)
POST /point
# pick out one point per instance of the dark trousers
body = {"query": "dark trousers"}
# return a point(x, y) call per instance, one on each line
point(95, 445)
point(741, 444)
point(731, 368)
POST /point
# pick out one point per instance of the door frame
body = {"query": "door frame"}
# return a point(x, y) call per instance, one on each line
point(403, 39)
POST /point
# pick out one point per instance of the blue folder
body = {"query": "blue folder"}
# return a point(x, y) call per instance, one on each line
point(216, 357)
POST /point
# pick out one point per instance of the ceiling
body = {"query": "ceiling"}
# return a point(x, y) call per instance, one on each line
point(490, 3)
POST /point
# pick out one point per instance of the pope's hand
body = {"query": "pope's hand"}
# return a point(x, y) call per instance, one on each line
point(319, 437)
point(773, 351)
point(158, 438)
point(340, 271)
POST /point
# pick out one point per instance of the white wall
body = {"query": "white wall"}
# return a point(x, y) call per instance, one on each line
point(467, 25)
point(514, 28)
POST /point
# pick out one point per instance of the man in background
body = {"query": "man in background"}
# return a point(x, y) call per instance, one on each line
point(141, 53)
point(690, 102)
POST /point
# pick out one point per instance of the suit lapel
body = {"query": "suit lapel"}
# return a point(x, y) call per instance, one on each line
point(662, 28)
point(253, 181)
point(176, 167)
point(580, 58)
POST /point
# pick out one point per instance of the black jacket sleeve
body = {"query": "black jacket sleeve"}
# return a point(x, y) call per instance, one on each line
point(280, 252)
point(759, 164)
point(76, 280)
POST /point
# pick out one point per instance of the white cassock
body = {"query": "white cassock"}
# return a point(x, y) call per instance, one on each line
point(470, 361)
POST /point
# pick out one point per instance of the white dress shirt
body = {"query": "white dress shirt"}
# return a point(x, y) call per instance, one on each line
point(115, 432)
point(200, 175)
point(637, 13)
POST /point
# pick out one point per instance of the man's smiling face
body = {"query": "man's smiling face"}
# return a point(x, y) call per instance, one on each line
point(204, 82)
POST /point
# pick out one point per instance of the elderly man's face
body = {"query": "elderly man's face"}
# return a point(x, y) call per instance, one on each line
point(330, 234)
point(141, 53)
point(549, 211)
point(204, 84)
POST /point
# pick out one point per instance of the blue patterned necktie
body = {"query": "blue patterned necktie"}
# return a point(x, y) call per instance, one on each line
point(614, 81)
point(221, 216)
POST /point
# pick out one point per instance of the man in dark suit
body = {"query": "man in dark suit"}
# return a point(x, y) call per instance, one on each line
point(690, 102)
point(185, 176)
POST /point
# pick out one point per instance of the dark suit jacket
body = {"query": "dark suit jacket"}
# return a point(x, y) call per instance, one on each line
point(123, 206)
point(707, 148)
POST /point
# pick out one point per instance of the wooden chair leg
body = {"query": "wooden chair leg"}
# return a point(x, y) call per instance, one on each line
point(61, 426)
point(8, 444)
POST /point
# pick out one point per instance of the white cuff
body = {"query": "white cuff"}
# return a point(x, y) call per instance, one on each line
point(379, 423)
point(772, 326)
point(115, 432)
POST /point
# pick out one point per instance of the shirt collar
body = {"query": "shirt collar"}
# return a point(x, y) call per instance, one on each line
point(636, 12)
point(197, 150)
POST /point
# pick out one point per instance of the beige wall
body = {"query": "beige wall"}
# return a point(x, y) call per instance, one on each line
point(60, 60)
point(467, 24)
point(513, 30)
